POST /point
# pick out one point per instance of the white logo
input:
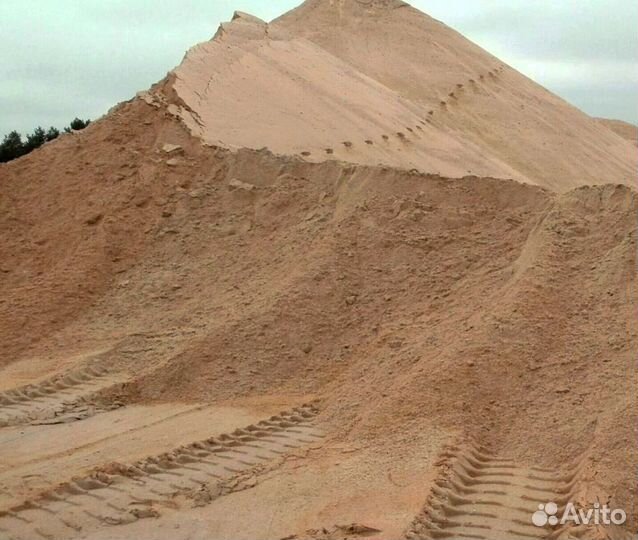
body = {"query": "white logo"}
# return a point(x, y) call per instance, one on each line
point(547, 514)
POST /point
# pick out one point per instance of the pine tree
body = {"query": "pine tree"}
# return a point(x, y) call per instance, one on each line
point(11, 147)
point(35, 140)
point(76, 125)
point(53, 133)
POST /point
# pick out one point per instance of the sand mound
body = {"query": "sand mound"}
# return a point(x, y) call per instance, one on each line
point(296, 98)
point(624, 129)
point(190, 264)
point(512, 119)
point(381, 83)
point(258, 274)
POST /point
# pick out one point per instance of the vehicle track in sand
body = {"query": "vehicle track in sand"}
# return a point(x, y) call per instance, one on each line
point(456, 96)
point(487, 497)
point(120, 494)
point(56, 395)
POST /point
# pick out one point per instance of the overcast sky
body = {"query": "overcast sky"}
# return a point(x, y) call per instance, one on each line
point(65, 58)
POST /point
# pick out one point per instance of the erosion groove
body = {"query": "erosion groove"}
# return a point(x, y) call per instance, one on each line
point(486, 497)
point(55, 395)
point(200, 472)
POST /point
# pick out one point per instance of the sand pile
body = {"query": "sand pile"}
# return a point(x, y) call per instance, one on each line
point(383, 83)
point(496, 308)
point(624, 129)
point(255, 86)
point(416, 306)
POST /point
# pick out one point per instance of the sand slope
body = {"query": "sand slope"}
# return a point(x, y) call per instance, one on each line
point(225, 274)
point(513, 119)
point(255, 87)
point(624, 129)
point(414, 310)
point(380, 82)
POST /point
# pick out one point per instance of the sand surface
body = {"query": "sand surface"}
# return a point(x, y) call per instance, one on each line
point(212, 327)
point(383, 83)
point(624, 129)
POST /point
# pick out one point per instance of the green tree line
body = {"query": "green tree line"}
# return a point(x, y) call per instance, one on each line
point(13, 146)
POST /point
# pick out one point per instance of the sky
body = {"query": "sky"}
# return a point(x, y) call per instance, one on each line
point(66, 58)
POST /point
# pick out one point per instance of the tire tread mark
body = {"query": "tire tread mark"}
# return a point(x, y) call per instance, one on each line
point(116, 493)
point(45, 399)
point(482, 496)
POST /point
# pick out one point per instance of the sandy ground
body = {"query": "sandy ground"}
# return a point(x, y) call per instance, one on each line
point(335, 485)
point(624, 129)
point(378, 83)
point(35, 457)
point(223, 330)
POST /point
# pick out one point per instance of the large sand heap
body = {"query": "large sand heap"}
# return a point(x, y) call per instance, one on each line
point(381, 82)
point(181, 262)
point(624, 129)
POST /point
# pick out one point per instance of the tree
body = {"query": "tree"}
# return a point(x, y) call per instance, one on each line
point(35, 140)
point(11, 147)
point(53, 133)
point(76, 125)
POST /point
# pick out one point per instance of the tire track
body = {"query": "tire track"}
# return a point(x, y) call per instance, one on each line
point(486, 497)
point(120, 494)
point(55, 395)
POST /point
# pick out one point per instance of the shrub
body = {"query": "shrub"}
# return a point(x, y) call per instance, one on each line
point(35, 140)
point(13, 147)
point(76, 125)
point(53, 133)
